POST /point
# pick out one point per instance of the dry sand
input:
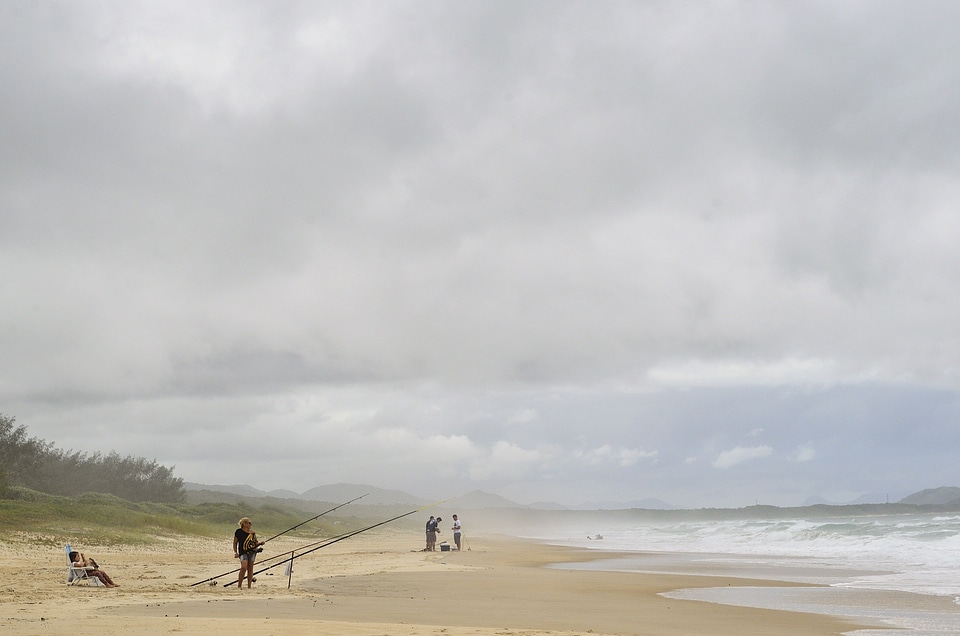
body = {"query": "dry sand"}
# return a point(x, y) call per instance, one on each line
point(374, 583)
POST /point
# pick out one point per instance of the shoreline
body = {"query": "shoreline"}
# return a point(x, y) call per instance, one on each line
point(378, 583)
point(818, 589)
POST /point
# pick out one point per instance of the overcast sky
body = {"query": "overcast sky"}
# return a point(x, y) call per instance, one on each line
point(557, 251)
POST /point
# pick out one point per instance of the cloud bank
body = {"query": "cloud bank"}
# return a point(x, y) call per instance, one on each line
point(548, 250)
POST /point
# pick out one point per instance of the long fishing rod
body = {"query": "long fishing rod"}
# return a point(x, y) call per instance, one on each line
point(317, 517)
point(340, 538)
point(267, 560)
point(330, 542)
point(213, 578)
point(284, 554)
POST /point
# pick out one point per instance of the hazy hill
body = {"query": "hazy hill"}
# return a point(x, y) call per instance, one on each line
point(650, 503)
point(943, 496)
point(241, 489)
point(547, 505)
point(333, 493)
point(868, 498)
point(338, 493)
point(374, 496)
point(479, 499)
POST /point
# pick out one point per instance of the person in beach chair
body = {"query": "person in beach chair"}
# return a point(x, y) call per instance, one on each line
point(77, 575)
point(86, 569)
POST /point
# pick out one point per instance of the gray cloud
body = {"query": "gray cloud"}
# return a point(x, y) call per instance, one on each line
point(542, 249)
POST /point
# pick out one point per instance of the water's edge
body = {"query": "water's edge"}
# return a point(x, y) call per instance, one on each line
point(824, 590)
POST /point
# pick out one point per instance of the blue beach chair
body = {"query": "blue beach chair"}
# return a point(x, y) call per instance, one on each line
point(80, 575)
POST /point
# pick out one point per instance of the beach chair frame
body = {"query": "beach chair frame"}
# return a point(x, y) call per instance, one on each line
point(80, 576)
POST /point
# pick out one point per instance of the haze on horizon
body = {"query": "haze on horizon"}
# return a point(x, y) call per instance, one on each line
point(557, 251)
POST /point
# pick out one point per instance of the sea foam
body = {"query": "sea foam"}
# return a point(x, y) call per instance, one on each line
point(863, 559)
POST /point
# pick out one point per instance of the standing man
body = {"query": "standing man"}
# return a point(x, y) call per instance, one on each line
point(456, 531)
point(431, 533)
point(433, 527)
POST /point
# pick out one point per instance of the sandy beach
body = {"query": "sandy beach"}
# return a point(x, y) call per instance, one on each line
point(374, 583)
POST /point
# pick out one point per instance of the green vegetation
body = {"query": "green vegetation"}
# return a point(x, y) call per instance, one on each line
point(33, 463)
point(55, 497)
point(103, 518)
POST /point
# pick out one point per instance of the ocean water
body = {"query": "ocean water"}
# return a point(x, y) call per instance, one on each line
point(896, 570)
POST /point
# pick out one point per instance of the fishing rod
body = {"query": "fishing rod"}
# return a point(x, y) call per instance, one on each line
point(340, 538)
point(267, 560)
point(213, 578)
point(317, 517)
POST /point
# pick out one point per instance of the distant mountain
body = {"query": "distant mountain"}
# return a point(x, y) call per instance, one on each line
point(943, 496)
point(650, 503)
point(547, 505)
point(242, 490)
point(374, 495)
point(333, 493)
point(878, 497)
point(868, 498)
point(478, 499)
point(283, 494)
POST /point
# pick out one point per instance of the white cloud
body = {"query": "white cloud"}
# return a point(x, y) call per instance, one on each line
point(806, 453)
point(505, 461)
point(789, 371)
point(740, 454)
point(630, 456)
point(525, 416)
point(609, 454)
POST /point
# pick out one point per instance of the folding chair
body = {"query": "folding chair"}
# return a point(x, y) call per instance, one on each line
point(80, 575)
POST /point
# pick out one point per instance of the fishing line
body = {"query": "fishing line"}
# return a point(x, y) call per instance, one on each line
point(213, 578)
point(317, 517)
point(340, 538)
point(267, 560)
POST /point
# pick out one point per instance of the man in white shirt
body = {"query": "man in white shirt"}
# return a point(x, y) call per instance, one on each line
point(456, 531)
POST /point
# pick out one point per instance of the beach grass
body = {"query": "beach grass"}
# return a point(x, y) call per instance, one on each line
point(106, 519)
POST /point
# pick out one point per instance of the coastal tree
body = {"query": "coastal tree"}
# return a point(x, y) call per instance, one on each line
point(21, 457)
point(35, 464)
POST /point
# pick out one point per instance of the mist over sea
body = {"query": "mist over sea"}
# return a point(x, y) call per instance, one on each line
point(901, 569)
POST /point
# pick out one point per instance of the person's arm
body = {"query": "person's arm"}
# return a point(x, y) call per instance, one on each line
point(236, 555)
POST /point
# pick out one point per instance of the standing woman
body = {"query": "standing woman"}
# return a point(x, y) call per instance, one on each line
point(245, 548)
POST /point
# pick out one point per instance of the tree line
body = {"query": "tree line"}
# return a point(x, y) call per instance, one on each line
point(39, 465)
